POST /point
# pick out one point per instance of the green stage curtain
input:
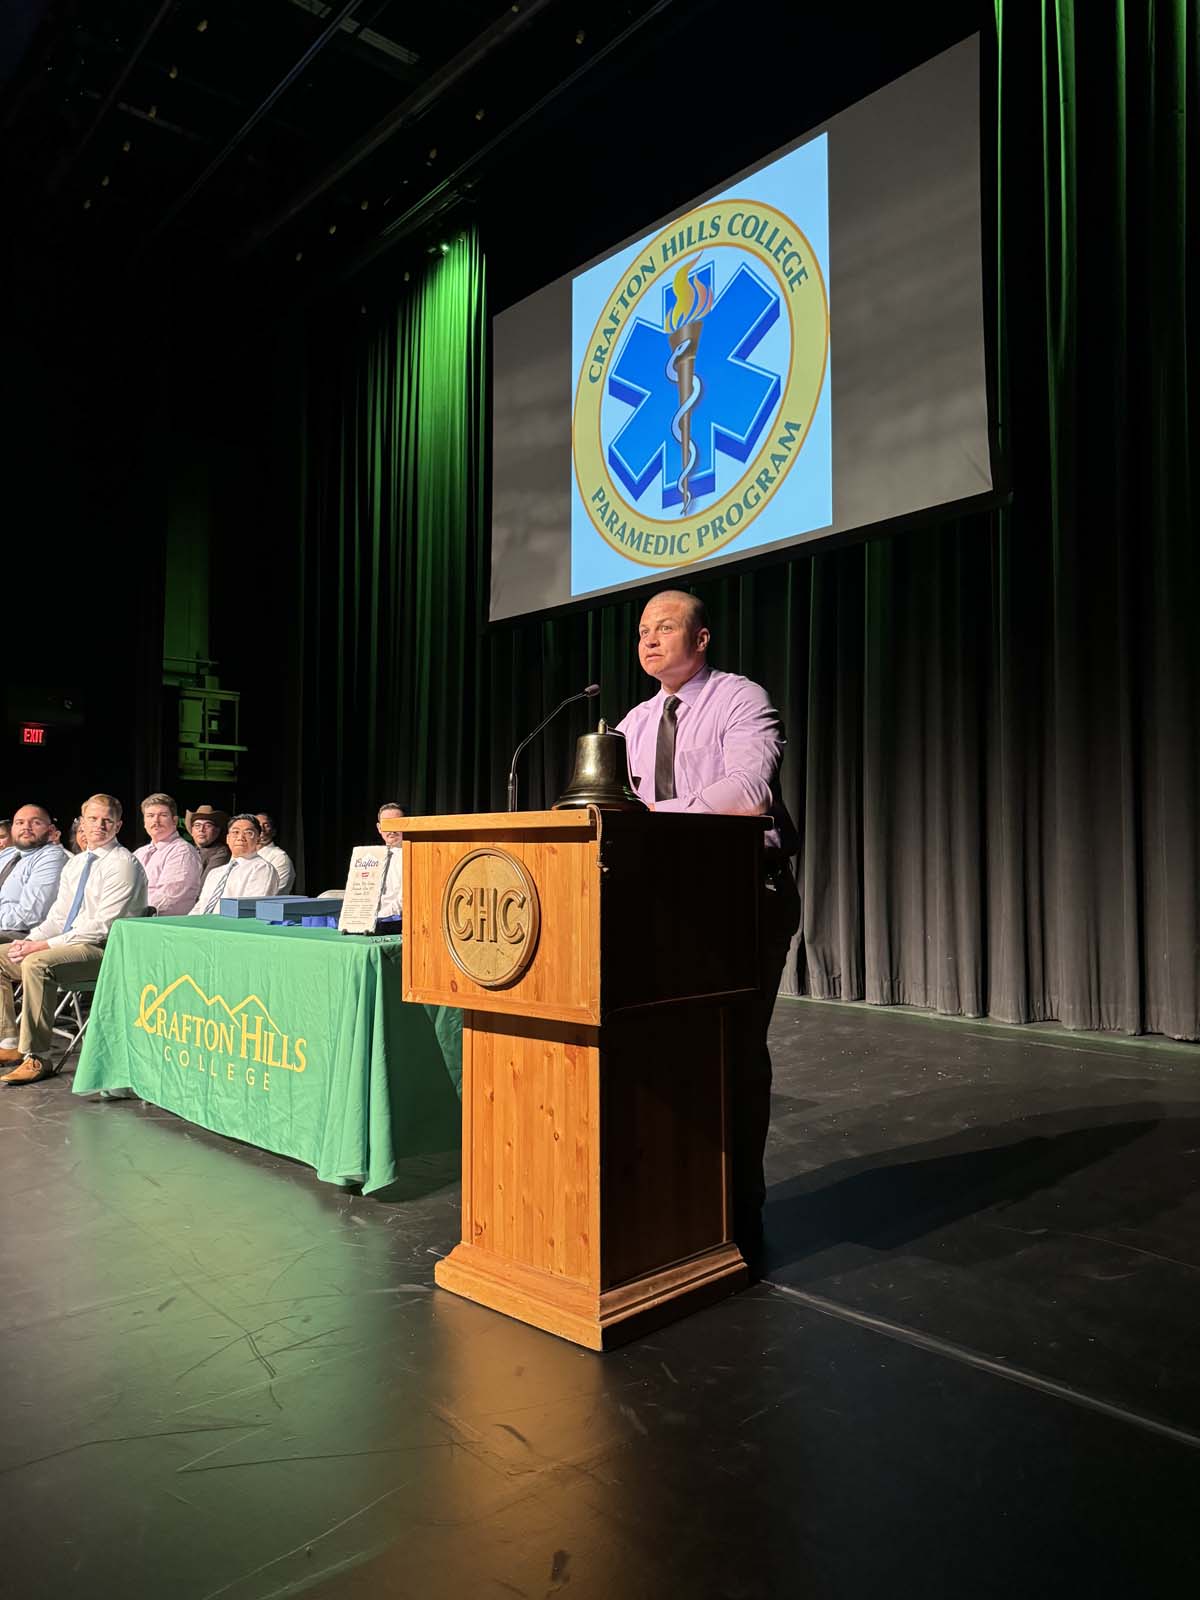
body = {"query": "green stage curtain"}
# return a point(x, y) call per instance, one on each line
point(382, 645)
point(994, 753)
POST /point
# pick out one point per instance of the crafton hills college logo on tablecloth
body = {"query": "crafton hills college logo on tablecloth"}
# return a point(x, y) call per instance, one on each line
point(490, 917)
point(200, 1032)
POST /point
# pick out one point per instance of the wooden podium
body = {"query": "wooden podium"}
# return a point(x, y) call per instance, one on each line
point(600, 958)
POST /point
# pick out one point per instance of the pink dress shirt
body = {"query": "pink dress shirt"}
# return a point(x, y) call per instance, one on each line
point(729, 743)
point(173, 872)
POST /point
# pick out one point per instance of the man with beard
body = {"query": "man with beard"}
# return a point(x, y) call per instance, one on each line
point(206, 826)
point(67, 946)
point(29, 872)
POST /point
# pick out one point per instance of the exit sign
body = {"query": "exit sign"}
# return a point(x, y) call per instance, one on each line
point(33, 733)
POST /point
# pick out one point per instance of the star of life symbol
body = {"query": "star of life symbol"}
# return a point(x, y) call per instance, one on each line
point(697, 387)
point(689, 408)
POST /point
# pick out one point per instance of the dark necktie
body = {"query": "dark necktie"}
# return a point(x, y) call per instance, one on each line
point(664, 751)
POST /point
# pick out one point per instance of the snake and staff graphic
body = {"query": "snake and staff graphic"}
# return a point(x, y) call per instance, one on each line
point(683, 325)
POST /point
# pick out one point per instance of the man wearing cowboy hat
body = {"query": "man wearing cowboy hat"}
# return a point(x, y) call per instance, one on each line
point(206, 827)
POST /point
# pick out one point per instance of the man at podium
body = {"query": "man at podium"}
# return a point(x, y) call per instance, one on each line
point(712, 741)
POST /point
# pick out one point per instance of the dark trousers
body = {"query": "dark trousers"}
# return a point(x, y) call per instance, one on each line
point(779, 917)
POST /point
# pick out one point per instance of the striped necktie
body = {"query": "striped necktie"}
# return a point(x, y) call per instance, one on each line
point(215, 897)
point(79, 888)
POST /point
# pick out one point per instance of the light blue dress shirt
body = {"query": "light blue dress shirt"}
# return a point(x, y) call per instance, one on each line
point(29, 890)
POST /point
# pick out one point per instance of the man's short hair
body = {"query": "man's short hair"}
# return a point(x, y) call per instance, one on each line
point(244, 816)
point(697, 611)
point(161, 800)
point(390, 805)
point(29, 805)
point(109, 800)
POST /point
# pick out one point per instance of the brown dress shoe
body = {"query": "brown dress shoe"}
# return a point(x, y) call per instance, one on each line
point(31, 1070)
point(10, 1058)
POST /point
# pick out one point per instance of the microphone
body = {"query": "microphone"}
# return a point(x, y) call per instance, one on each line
point(592, 690)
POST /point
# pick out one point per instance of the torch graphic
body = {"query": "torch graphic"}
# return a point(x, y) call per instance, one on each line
point(683, 326)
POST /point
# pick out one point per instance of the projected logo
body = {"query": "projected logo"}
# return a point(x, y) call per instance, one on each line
point(700, 381)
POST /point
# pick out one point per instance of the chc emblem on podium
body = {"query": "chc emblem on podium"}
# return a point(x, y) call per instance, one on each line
point(490, 917)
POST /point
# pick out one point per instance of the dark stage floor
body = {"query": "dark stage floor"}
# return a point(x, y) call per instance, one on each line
point(972, 1370)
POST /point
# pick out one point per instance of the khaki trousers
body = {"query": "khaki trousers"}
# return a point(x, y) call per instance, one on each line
point(7, 1026)
point(43, 975)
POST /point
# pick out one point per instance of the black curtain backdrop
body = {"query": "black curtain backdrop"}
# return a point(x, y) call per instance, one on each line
point(83, 562)
point(993, 733)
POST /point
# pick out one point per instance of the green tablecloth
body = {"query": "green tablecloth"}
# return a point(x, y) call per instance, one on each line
point(293, 1039)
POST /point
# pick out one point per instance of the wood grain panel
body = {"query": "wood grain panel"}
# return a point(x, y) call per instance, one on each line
point(595, 1168)
point(562, 982)
point(532, 1163)
point(575, 1312)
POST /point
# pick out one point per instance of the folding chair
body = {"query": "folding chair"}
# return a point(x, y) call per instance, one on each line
point(69, 1008)
point(69, 1021)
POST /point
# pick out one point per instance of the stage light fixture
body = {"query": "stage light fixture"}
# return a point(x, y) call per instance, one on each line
point(433, 154)
point(152, 113)
point(126, 146)
point(444, 248)
point(87, 205)
point(580, 36)
point(363, 205)
point(104, 181)
point(479, 115)
point(332, 229)
point(299, 255)
point(172, 71)
point(202, 25)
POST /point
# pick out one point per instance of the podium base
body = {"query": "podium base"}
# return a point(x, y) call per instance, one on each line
point(573, 1311)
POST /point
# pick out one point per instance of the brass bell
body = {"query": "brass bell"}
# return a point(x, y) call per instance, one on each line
point(601, 776)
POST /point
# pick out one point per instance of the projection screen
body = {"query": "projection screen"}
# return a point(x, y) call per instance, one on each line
point(796, 355)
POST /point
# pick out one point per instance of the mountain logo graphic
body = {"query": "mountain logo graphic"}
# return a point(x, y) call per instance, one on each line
point(197, 1020)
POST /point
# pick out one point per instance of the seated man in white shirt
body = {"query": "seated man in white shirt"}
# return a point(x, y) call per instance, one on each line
point(245, 877)
point(391, 908)
point(67, 946)
point(276, 854)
